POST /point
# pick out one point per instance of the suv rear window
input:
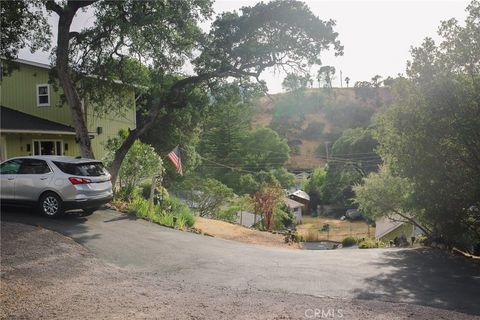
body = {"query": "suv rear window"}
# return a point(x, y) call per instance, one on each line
point(87, 169)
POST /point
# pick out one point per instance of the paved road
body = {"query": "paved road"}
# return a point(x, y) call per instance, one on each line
point(417, 276)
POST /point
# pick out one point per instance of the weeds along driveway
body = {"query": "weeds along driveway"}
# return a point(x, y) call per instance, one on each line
point(418, 276)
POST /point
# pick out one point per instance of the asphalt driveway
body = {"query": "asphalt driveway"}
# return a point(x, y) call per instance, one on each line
point(417, 276)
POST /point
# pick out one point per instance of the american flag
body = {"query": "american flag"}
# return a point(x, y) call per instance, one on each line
point(174, 156)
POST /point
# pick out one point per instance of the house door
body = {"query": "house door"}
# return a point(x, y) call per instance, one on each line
point(47, 148)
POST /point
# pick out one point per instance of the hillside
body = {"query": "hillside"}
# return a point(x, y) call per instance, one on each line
point(309, 120)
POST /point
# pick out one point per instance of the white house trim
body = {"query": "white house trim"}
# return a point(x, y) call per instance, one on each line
point(37, 131)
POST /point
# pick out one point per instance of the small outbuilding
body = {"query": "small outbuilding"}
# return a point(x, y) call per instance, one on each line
point(302, 197)
point(296, 208)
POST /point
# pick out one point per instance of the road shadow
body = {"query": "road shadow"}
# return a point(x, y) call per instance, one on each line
point(123, 216)
point(72, 224)
point(426, 277)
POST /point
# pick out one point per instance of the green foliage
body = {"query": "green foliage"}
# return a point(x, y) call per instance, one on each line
point(370, 243)
point(167, 35)
point(325, 75)
point(141, 162)
point(430, 135)
point(283, 218)
point(349, 241)
point(145, 189)
point(285, 178)
point(204, 196)
point(297, 237)
point(353, 158)
point(255, 38)
point(229, 214)
point(172, 212)
point(225, 129)
point(364, 90)
point(23, 25)
point(382, 194)
point(263, 149)
point(139, 206)
point(296, 83)
point(314, 186)
point(176, 126)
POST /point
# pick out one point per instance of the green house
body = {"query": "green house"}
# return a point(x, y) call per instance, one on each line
point(35, 122)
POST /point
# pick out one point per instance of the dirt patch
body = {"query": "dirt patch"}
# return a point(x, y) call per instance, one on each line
point(229, 231)
point(48, 276)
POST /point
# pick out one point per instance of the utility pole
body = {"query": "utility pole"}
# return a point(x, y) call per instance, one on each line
point(341, 79)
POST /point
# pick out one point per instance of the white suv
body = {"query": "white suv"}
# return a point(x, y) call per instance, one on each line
point(55, 183)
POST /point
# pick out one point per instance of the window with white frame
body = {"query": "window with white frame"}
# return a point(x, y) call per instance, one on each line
point(43, 95)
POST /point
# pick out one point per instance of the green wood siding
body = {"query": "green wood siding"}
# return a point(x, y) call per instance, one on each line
point(17, 143)
point(111, 125)
point(19, 91)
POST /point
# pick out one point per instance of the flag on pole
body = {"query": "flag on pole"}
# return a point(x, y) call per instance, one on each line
point(174, 156)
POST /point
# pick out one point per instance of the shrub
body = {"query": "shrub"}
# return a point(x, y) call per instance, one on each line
point(140, 207)
point(370, 243)
point(283, 219)
point(229, 214)
point(176, 208)
point(366, 244)
point(166, 219)
point(421, 239)
point(141, 162)
point(188, 217)
point(349, 241)
point(172, 213)
point(205, 196)
point(297, 237)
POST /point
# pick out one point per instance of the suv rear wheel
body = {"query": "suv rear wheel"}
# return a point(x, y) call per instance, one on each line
point(51, 205)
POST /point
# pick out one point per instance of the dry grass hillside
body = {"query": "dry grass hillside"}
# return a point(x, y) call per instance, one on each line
point(317, 117)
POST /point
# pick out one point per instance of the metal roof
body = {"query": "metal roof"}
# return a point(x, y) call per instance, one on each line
point(301, 194)
point(292, 203)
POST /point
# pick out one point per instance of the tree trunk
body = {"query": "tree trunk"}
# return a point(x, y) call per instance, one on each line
point(121, 153)
point(63, 72)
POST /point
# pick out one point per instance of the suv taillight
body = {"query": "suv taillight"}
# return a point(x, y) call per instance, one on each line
point(74, 180)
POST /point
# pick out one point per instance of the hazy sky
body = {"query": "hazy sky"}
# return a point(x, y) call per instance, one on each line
point(377, 35)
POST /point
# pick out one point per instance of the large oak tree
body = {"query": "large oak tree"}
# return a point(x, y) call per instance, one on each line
point(165, 35)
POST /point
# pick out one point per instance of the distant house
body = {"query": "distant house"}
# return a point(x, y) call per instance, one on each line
point(302, 197)
point(296, 208)
point(300, 179)
point(34, 121)
point(387, 229)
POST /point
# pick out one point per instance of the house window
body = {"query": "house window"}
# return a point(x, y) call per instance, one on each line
point(43, 95)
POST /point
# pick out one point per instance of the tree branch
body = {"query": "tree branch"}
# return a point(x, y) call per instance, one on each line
point(52, 6)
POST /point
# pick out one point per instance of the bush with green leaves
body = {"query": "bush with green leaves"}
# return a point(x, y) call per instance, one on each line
point(228, 214)
point(370, 243)
point(283, 218)
point(172, 212)
point(205, 196)
point(348, 242)
point(140, 163)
